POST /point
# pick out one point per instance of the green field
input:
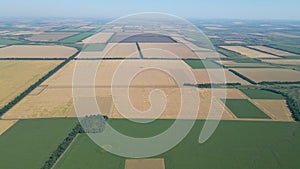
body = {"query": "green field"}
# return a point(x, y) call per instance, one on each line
point(9, 42)
point(97, 47)
point(201, 64)
point(243, 108)
point(29, 143)
point(262, 94)
point(234, 145)
point(76, 38)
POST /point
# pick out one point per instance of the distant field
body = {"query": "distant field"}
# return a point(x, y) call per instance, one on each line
point(274, 51)
point(101, 37)
point(36, 51)
point(77, 37)
point(201, 64)
point(9, 42)
point(262, 94)
point(216, 76)
point(29, 143)
point(51, 36)
point(283, 61)
point(270, 74)
point(250, 145)
point(17, 76)
point(235, 64)
point(95, 47)
point(242, 108)
point(248, 52)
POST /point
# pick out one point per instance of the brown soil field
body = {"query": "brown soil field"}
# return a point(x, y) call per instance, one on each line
point(273, 51)
point(248, 52)
point(216, 76)
point(166, 50)
point(276, 109)
point(270, 75)
point(283, 61)
point(51, 36)
point(5, 125)
point(145, 163)
point(36, 51)
point(101, 37)
point(17, 76)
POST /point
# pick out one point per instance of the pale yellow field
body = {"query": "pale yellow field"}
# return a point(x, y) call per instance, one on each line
point(101, 37)
point(276, 109)
point(36, 51)
point(234, 42)
point(270, 75)
point(17, 76)
point(5, 125)
point(209, 55)
point(145, 163)
point(216, 76)
point(283, 61)
point(233, 63)
point(121, 50)
point(166, 50)
point(274, 51)
point(248, 52)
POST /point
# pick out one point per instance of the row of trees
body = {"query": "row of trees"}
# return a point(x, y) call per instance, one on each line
point(242, 76)
point(32, 87)
point(88, 124)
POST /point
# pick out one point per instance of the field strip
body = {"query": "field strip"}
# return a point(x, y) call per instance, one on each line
point(64, 152)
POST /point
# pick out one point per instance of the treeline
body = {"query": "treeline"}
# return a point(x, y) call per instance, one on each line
point(32, 87)
point(88, 124)
point(62, 147)
point(213, 85)
point(292, 101)
point(242, 76)
point(276, 83)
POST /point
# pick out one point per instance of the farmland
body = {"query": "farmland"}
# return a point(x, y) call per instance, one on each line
point(242, 108)
point(36, 51)
point(248, 52)
point(262, 94)
point(17, 76)
point(30, 145)
point(51, 36)
point(270, 74)
point(243, 140)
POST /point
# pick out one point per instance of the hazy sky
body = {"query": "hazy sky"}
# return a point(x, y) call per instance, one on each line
point(233, 9)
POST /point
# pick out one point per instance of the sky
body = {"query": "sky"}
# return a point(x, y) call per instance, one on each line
point(208, 9)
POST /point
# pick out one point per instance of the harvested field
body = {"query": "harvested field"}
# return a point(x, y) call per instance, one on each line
point(249, 52)
point(274, 51)
point(270, 74)
point(17, 76)
point(209, 55)
point(294, 62)
point(157, 163)
point(36, 51)
point(217, 76)
point(232, 64)
point(101, 37)
point(276, 109)
point(121, 50)
point(166, 50)
point(5, 125)
point(51, 36)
